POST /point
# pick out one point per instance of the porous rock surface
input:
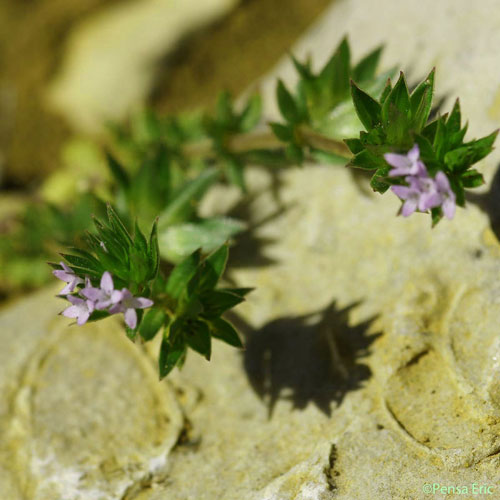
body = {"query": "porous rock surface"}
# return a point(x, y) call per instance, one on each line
point(409, 397)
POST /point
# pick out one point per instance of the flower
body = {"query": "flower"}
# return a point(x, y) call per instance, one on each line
point(128, 304)
point(81, 309)
point(422, 192)
point(105, 296)
point(409, 164)
point(67, 274)
point(447, 195)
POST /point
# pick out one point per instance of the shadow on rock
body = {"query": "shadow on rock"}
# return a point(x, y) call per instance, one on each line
point(310, 358)
point(489, 203)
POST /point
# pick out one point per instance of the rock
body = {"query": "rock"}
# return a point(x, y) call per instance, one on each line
point(111, 59)
point(412, 311)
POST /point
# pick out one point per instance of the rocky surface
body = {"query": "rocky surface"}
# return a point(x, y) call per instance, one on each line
point(412, 311)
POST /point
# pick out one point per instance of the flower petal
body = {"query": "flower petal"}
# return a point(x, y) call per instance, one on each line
point(442, 182)
point(142, 302)
point(414, 153)
point(83, 317)
point(409, 207)
point(107, 283)
point(398, 161)
point(449, 208)
point(71, 312)
point(402, 191)
point(131, 318)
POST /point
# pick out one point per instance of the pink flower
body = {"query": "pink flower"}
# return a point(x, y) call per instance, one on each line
point(128, 305)
point(67, 275)
point(105, 296)
point(408, 164)
point(81, 309)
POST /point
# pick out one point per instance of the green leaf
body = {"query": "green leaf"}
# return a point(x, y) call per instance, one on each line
point(225, 331)
point(153, 320)
point(118, 171)
point(421, 102)
point(378, 181)
point(224, 111)
point(83, 263)
point(180, 240)
point(241, 292)
point(337, 69)
point(118, 226)
point(302, 69)
point(462, 158)
point(385, 93)
point(140, 241)
point(472, 178)
point(251, 115)
point(181, 206)
point(182, 274)
point(216, 302)
point(197, 335)
point(282, 132)
point(286, 104)
point(355, 145)
point(172, 349)
point(210, 271)
point(367, 161)
point(395, 112)
point(234, 172)
point(294, 153)
point(366, 68)
point(455, 118)
point(153, 252)
point(367, 108)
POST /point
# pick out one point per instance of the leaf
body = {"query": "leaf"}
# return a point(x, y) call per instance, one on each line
point(234, 172)
point(241, 292)
point(472, 178)
point(140, 241)
point(118, 172)
point(294, 153)
point(153, 320)
point(179, 241)
point(355, 145)
point(378, 182)
point(225, 331)
point(182, 274)
point(251, 115)
point(421, 102)
point(385, 93)
point(153, 252)
point(367, 161)
point(197, 335)
point(209, 271)
point(216, 302)
point(181, 206)
point(462, 158)
point(118, 226)
point(365, 69)
point(282, 132)
point(224, 108)
point(367, 108)
point(337, 69)
point(302, 69)
point(395, 112)
point(172, 349)
point(286, 104)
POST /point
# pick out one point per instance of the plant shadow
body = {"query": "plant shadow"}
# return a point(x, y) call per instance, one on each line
point(489, 202)
point(313, 358)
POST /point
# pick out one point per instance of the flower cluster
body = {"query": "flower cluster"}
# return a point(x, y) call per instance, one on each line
point(422, 192)
point(104, 298)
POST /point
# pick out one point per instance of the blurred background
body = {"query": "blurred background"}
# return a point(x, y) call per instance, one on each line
point(70, 68)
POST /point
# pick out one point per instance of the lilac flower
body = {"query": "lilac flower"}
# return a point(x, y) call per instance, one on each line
point(447, 195)
point(81, 309)
point(105, 296)
point(67, 274)
point(409, 164)
point(128, 304)
point(422, 193)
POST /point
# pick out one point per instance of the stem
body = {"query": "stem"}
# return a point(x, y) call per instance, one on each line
point(265, 139)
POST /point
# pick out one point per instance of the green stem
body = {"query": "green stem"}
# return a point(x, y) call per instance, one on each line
point(262, 140)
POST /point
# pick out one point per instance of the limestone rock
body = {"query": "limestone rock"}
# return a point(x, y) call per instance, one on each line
point(111, 58)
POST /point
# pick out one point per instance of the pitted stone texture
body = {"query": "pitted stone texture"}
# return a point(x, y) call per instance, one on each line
point(88, 418)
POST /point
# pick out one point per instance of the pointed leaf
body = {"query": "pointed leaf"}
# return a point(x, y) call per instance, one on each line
point(182, 274)
point(366, 68)
point(172, 349)
point(286, 104)
point(251, 115)
point(153, 320)
point(367, 108)
point(197, 335)
point(225, 331)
